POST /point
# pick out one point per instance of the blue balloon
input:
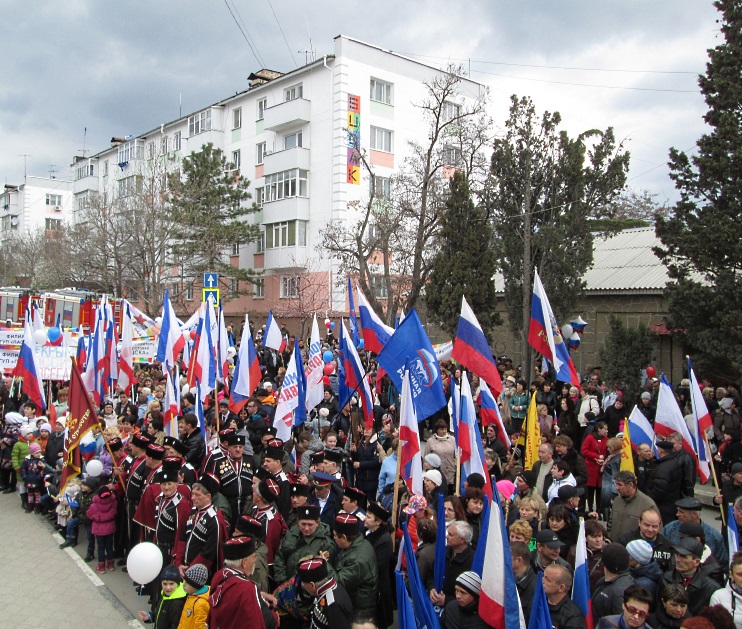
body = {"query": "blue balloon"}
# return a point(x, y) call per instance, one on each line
point(327, 356)
point(361, 345)
point(54, 334)
point(332, 325)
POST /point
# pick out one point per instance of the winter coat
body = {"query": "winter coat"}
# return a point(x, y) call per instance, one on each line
point(520, 401)
point(666, 487)
point(614, 418)
point(54, 447)
point(169, 609)
point(526, 588)
point(382, 545)
point(625, 513)
point(102, 513)
point(659, 619)
point(20, 451)
point(355, 570)
point(647, 576)
point(367, 474)
point(295, 546)
point(84, 500)
point(195, 612)
point(387, 475)
point(33, 472)
point(589, 403)
point(608, 596)
point(699, 590)
point(457, 617)
point(592, 448)
point(731, 600)
point(446, 449)
point(425, 557)
point(566, 615)
point(106, 461)
point(577, 466)
point(608, 481)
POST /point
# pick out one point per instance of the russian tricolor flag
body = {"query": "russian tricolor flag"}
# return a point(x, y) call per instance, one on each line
point(470, 348)
point(355, 376)
point(470, 439)
point(640, 429)
point(411, 462)
point(499, 605)
point(247, 374)
point(272, 337)
point(375, 333)
point(489, 412)
point(26, 368)
point(581, 586)
point(171, 341)
point(544, 335)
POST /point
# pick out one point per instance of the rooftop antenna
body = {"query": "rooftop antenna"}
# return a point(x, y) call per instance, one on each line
point(180, 104)
point(52, 170)
point(308, 55)
point(311, 46)
point(83, 150)
point(25, 162)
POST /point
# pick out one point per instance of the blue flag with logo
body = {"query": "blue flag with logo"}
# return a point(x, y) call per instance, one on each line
point(439, 562)
point(410, 344)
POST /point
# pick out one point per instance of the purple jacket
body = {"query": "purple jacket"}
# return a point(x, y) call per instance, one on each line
point(103, 514)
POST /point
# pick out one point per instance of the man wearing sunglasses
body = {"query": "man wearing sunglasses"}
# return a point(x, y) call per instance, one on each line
point(636, 604)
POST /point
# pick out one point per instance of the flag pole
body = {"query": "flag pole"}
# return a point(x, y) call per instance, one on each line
point(395, 501)
point(716, 480)
point(457, 487)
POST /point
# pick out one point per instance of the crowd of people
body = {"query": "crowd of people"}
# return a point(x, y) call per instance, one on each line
point(255, 532)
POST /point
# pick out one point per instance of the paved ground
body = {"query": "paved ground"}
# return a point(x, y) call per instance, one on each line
point(48, 588)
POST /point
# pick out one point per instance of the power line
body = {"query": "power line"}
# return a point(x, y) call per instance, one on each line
point(529, 65)
point(282, 33)
point(245, 35)
point(607, 87)
point(244, 26)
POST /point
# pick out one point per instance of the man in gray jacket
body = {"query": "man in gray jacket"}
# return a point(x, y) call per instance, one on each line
point(608, 593)
point(628, 506)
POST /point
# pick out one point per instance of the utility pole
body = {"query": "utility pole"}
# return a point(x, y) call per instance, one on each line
point(526, 307)
point(25, 164)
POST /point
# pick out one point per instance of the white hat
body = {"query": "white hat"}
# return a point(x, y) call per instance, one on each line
point(13, 418)
point(433, 460)
point(435, 476)
point(27, 429)
point(268, 386)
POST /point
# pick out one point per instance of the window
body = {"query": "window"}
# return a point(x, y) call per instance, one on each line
point(237, 159)
point(286, 234)
point(381, 91)
point(234, 285)
point(289, 286)
point(81, 201)
point(237, 118)
point(86, 170)
point(150, 150)
point(374, 232)
point(105, 168)
point(378, 285)
point(131, 150)
point(163, 145)
point(451, 156)
point(293, 92)
point(262, 105)
point(381, 139)
point(289, 183)
point(260, 153)
point(258, 291)
point(130, 185)
point(449, 111)
point(53, 224)
point(189, 292)
point(176, 141)
point(260, 243)
point(199, 123)
point(259, 196)
point(380, 187)
point(292, 140)
point(235, 248)
point(54, 200)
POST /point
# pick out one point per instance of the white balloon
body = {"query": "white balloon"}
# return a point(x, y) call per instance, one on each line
point(144, 563)
point(567, 330)
point(158, 320)
point(40, 337)
point(231, 351)
point(94, 468)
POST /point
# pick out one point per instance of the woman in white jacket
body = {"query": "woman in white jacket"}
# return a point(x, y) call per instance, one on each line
point(731, 596)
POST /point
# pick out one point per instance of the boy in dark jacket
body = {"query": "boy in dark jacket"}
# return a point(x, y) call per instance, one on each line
point(170, 604)
point(33, 470)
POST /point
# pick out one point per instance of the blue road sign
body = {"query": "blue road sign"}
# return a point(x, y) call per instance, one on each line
point(211, 280)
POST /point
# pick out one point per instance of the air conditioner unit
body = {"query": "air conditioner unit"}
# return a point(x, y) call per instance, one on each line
point(171, 156)
point(268, 152)
point(57, 208)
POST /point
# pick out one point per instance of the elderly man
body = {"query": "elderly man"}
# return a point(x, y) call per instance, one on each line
point(355, 564)
point(459, 558)
point(309, 537)
point(627, 506)
point(689, 511)
point(686, 573)
point(235, 475)
point(557, 585)
point(234, 600)
point(332, 608)
point(542, 469)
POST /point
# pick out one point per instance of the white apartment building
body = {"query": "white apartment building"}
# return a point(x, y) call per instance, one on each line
point(290, 135)
point(40, 203)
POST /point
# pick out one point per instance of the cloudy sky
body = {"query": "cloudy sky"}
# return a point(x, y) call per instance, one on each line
point(119, 68)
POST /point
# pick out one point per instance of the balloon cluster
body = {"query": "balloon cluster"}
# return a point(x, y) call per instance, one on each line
point(330, 325)
point(573, 331)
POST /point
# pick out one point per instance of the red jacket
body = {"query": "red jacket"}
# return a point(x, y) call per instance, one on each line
point(103, 514)
point(236, 603)
point(593, 448)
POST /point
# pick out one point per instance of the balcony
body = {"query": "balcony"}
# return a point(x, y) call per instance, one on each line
point(291, 209)
point(89, 183)
point(286, 258)
point(279, 161)
point(286, 115)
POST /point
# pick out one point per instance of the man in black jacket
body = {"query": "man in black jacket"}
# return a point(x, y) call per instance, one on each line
point(688, 482)
point(650, 524)
point(525, 577)
point(667, 484)
point(563, 611)
point(191, 436)
point(459, 558)
point(696, 584)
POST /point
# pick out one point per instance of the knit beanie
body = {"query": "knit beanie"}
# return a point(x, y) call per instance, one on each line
point(615, 558)
point(171, 573)
point(197, 575)
point(34, 448)
point(470, 581)
point(640, 551)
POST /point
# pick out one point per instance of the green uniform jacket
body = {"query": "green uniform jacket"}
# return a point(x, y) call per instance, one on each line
point(20, 451)
point(295, 547)
point(355, 569)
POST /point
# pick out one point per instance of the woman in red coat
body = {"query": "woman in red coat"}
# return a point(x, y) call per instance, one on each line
point(593, 451)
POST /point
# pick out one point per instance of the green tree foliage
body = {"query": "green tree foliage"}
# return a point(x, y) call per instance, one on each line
point(702, 238)
point(545, 191)
point(464, 263)
point(623, 355)
point(207, 206)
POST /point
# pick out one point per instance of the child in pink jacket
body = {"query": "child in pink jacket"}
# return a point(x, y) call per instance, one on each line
point(102, 513)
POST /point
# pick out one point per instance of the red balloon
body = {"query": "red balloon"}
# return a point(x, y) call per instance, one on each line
point(328, 324)
point(651, 372)
point(329, 369)
point(193, 335)
point(326, 380)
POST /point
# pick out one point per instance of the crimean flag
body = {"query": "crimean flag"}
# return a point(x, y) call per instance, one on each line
point(669, 419)
point(701, 423)
point(470, 348)
point(627, 453)
point(81, 420)
point(533, 434)
point(126, 355)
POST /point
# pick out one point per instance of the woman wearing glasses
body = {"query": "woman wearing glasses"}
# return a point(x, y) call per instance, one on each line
point(637, 602)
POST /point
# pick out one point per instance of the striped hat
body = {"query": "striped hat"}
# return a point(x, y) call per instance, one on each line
point(470, 581)
point(640, 551)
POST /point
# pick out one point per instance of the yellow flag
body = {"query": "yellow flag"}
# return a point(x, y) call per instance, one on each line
point(533, 434)
point(627, 454)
